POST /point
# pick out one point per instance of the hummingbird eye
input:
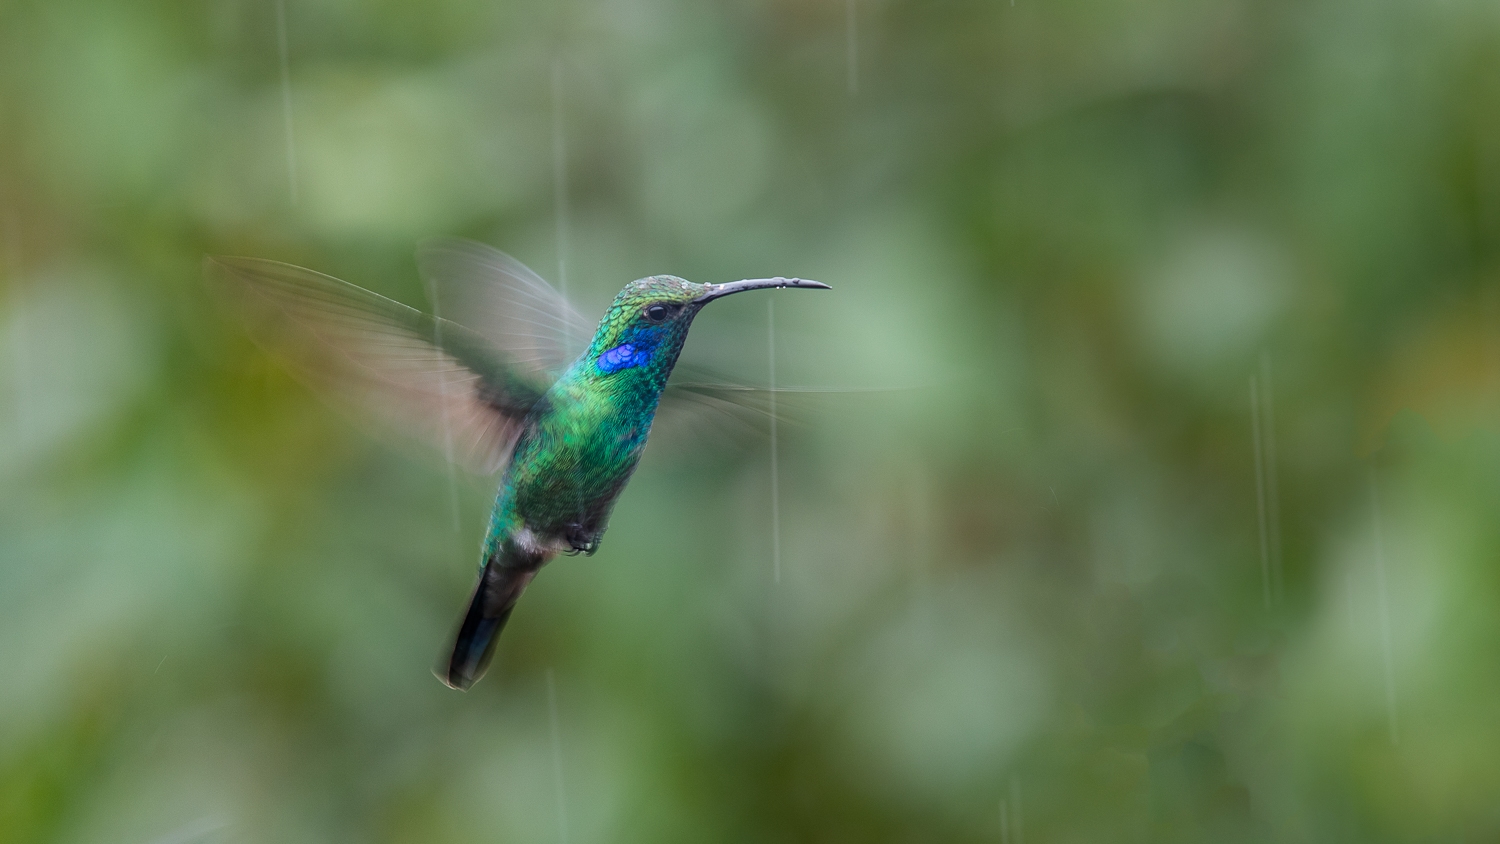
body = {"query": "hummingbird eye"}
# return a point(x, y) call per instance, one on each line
point(658, 313)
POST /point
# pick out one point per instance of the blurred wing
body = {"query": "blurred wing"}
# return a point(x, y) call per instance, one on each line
point(497, 297)
point(689, 418)
point(418, 372)
point(700, 406)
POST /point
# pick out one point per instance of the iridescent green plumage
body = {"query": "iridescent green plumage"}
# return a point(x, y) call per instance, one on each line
point(590, 427)
point(568, 447)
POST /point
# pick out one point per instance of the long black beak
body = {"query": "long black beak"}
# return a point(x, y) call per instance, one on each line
point(716, 291)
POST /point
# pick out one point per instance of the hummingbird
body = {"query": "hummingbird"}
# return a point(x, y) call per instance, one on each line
point(498, 388)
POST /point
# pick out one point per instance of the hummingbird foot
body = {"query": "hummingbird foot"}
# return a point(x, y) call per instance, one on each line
point(580, 540)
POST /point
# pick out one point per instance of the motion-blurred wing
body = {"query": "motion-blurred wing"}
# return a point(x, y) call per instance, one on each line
point(690, 417)
point(497, 297)
point(700, 406)
point(418, 372)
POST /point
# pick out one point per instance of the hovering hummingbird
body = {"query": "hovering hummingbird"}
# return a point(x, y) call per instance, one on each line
point(568, 431)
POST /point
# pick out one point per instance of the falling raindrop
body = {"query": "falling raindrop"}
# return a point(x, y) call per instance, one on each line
point(286, 99)
point(851, 44)
point(775, 481)
point(443, 388)
point(20, 347)
point(920, 511)
point(1260, 493)
point(1385, 612)
point(1273, 487)
point(557, 765)
point(1351, 599)
point(1017, 829)
point(560, 182)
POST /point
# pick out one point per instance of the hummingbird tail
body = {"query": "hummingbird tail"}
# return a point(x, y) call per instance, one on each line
point(500, 585)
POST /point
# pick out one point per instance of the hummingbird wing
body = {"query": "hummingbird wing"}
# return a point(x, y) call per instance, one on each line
point(700, 405)
point(502, 300)
point(411, 369)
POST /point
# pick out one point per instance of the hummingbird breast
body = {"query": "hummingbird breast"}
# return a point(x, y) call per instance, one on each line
point(571, 464)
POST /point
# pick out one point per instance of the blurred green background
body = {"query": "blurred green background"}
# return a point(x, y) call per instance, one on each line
point(1182, 527)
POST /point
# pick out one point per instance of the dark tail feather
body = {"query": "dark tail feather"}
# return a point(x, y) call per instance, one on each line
point(500, 586)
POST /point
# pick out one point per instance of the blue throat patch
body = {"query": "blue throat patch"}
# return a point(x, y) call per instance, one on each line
point(624, 356)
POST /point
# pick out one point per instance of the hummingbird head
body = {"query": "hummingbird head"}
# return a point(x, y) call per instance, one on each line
point(649, 320)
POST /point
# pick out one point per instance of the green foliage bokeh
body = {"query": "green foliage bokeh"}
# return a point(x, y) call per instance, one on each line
point(1173, 515)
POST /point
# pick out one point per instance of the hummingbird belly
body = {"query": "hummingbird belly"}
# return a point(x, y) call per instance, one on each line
point(566, 474)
